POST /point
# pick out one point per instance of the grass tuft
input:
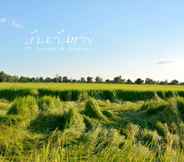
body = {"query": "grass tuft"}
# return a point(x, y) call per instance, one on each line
point(25, 107)
point(92, 110)
point(50, 104)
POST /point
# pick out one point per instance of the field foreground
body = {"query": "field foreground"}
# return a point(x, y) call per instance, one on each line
point(127, 124)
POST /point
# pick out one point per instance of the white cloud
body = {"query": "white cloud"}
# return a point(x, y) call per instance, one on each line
point(3, 20)
point(161, 62)
point(34, 32)
point(16, 25)
point(62, 31)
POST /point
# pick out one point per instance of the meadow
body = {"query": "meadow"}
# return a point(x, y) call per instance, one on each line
point(91, 123)
point(91, 86)
point(73, 91)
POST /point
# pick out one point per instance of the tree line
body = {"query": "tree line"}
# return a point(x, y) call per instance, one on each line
point(4, 77)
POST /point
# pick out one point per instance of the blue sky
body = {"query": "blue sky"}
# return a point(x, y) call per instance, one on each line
point(132, 38)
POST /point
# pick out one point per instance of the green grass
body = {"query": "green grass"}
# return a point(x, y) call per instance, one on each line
point(90, 86)
point(74, 91)
point(114, 125)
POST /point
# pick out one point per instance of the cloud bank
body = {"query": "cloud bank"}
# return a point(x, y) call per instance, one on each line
point(163, 62)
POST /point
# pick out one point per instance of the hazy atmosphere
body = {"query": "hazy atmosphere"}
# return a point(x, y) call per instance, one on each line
point(132, 38)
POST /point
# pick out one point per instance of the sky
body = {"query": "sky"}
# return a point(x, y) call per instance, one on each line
point(132, 38)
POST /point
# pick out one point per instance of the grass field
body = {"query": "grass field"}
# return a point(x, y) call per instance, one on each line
point(114, 123)
point(73, 92)
point(91, 86)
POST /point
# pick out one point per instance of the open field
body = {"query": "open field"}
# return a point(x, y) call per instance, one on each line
point(73, 92)
point(91, 123)
point(91, 86)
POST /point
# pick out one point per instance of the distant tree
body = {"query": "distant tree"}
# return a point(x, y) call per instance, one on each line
point(82, 80)
point(89, 79)
point(48, 79)
point(174, 82)
point(163, 82)
point(129, 81)
point(57, 79)
point(36, 80)
point(41, 79)
point(13, 79)
point(149, 81)
point(118, 79)
point(3, 77)
point(73, 80)
point(60, 79)
point(65, 79)
point(24, 79)
point(98, 79)
point(108, 81)
point(139, 81)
